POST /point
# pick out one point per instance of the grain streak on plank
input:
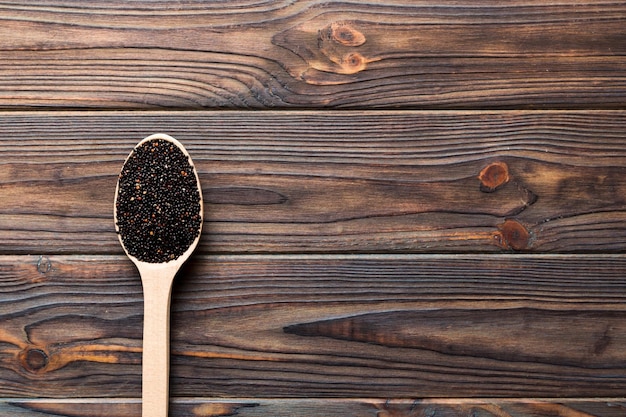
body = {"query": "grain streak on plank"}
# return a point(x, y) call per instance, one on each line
point(410, 326)
point(319, 182)
point(208, 407)
point(313, 53)
point(479, 333)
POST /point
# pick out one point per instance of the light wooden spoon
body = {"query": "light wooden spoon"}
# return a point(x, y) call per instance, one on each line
point(157, 279)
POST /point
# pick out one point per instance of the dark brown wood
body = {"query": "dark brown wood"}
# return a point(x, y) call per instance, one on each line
point(200, 407)
point(404, 326)
point(534, 332)
point(320, 182)
point(312, 53)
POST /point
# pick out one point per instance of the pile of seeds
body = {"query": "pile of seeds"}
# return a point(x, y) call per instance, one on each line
point(158, 203)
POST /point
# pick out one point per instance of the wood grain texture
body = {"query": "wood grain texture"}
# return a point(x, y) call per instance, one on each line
point(313, 53)
point(322, 182)
point(403, 326)
point(601, 407)
point(533, 332)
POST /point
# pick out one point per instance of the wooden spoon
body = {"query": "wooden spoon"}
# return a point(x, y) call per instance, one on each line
point(157, 278)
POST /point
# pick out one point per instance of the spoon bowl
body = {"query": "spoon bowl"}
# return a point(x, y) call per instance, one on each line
point(158, 236)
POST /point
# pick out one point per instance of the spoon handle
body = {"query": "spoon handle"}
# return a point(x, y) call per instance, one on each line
point(157, 286)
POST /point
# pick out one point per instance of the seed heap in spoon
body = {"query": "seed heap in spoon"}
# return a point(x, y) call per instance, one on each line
point(158, 202)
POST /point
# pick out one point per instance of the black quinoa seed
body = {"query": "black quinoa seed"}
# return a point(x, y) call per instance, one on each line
point(158, 203)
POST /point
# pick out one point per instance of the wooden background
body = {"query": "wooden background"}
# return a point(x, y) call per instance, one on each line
point(413, 208)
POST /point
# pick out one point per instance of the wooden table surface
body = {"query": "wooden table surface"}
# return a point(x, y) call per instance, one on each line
point(412, 208)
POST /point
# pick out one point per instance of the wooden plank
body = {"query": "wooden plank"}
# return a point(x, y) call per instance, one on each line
point(312, 53)
point(201, 407)
point(322, 182)
point(402, 326)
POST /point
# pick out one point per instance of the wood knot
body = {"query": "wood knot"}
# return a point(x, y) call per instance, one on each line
point(335, 45)
point(493, 176)
point(512, 235)
point(44, 265)
point(353, 62)
point(328, 50)
point(34, 360)
point(344, 34)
